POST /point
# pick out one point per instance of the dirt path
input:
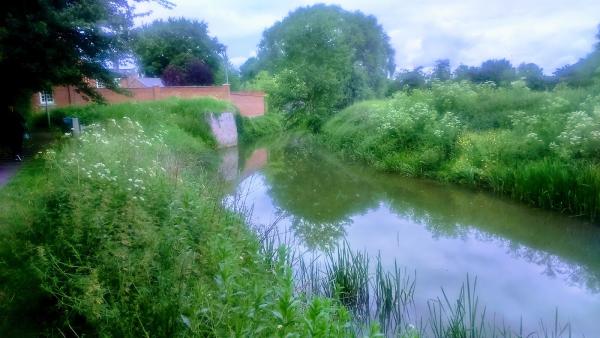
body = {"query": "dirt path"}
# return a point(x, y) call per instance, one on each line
point(7, 170)
point(9, 167)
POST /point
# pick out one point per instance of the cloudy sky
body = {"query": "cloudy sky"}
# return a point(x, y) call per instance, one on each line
point(550, 33)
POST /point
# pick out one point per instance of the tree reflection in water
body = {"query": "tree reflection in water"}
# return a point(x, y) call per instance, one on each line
point(322, 195)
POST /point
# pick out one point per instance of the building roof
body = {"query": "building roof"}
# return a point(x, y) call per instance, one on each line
point(151, 81)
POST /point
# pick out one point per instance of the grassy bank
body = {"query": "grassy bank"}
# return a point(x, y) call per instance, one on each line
point(121, 232)
point(542, 148)
point(254, 128)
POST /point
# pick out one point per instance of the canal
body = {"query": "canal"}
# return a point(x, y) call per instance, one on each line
point(529, 263)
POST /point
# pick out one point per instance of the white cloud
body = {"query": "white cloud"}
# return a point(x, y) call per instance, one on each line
point(549, 33)
point(238, 60)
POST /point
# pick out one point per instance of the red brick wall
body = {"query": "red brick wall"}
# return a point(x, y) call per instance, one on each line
point(249, 103)
point(219, 92)
point(256, 161)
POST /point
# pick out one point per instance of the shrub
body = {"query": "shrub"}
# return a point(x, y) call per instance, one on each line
point(253, 128)
point(539, 147)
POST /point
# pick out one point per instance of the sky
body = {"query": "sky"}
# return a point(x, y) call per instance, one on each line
point(550, 33)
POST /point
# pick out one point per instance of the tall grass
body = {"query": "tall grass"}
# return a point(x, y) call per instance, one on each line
point(382, 298)
point(542, 148)
point(121, 232)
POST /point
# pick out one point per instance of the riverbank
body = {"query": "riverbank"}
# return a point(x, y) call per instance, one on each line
point(540, 148)
point(121, 232)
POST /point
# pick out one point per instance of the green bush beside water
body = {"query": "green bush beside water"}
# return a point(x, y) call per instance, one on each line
point(251, 129)
point(542, 148)
point(121, 232)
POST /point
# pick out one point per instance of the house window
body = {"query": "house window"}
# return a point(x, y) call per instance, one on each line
point(100, 84)
point(46, 97)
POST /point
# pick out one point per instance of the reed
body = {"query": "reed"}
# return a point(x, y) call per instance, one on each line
point(381, 299)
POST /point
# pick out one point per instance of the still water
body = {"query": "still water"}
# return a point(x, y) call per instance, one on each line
point(528, 262)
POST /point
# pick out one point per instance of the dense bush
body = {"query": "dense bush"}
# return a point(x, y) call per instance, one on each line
point(253, 128)
point(539, 147)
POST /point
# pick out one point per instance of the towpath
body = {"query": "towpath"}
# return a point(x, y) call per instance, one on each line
point(7, 170)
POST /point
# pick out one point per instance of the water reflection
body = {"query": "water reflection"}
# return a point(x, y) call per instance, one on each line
point(318, 236)
point(528, 261)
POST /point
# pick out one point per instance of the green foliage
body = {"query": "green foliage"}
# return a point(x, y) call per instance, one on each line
point(441, 70)
point(534, 77)
point(47, 43)
point(188, 115)
point(306, 96)
point(491, 72)
point(585, 72)
point(383, 301)
point(253, 128)
point(538, 147)
point(500, 72)
point(409, 79)
point(121, 232)
point(187, 71)
point(323, 58)
point(249, 69)
point(262, 81)
point(166, 42)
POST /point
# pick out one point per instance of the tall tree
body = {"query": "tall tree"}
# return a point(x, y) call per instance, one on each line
point(323, 58)
point(533, 75)
point(441, 70)
point(190, 71)
point(500, 72)
point(45, 43)
point(249, 69)
point(164, 42)
point(61, 42)
point(410, 79)
point(584, 72)
point(465, 73)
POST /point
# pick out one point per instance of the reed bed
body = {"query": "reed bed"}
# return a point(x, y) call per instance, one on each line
point(381, 298)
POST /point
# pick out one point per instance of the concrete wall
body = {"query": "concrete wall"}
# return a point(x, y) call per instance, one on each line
point(224, 129)
point(249, 103)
